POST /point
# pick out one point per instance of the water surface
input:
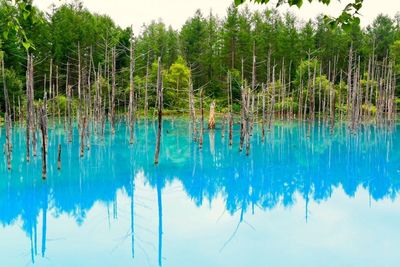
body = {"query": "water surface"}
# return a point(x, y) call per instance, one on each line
point(298, 199)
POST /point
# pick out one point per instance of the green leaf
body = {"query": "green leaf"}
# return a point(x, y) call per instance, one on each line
point(238, 2)
point(5, 35)
point(26, 45)
point(26, 14)
point(346, 27)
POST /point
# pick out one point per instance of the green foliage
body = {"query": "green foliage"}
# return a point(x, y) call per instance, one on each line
point(346, 19)
point(306, 69)
point(287, 104)
point(14, 86)
point(395, 54)
point(61, 102)
point(176, 84)
point(205, 49)
point(13, 15)
point(383, 33)
point(370, 108)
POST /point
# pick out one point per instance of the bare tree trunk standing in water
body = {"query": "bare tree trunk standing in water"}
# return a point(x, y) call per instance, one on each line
point(68, 92)
point(263, 113)
point(192, 108)
point(211, 120)
point(83, 131)
point(28, 105)
point(146, 101)
point(69, 111)
point(332, 98)
point(43, 129)
point(242, 111)
point(201, 119)
point(349, 84)
point(32, 108)
point(230, 109)
point(132, 94)
point(242, 120)
point(7, 116)
point(30, 114)
point(79, 86)
point(51, 93)
point(113, 92)
point(160, 107)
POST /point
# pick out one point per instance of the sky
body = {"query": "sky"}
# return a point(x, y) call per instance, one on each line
point(175, 12)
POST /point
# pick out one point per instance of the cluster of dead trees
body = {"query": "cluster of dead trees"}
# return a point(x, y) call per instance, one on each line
point(320, 94)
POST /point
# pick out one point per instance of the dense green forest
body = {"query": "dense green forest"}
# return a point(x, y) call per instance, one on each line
point(203, 52)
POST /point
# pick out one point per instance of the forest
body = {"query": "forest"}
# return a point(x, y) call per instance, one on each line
point(202, 52)
point(248, 67)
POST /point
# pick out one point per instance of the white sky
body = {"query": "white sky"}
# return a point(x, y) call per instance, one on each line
point(176, 12)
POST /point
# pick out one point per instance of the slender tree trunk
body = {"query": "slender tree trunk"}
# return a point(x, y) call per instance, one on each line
point(349, 83)
point(230, 109)
point(43, 129)
point(160, 108)
point(263, 113)
point(201, 119)
point(28, 105)
point(146, 101)
point(132, 104)
point(7, 117)
point(113, 70)
point(211, 120)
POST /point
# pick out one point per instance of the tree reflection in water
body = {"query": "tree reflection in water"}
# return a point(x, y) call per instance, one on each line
point(286, 164)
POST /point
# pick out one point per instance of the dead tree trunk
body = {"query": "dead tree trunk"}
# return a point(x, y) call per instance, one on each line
point(7, 117)
point(192, 108)
point(57, 100)
point(131, 94)
point(211, 120)
point(272, 103)
point(51, 93)
point(349, 83)
point(146, 101)
point(79, 87)
point(201, 119)
point(33, 115)
point(43, 129)
point(69, 103)
point(113, 69)
point(69, 113)
point(160, 109)
point(333, 97)
point(263, 113)
point(242, 118)
point(28, 105)
point(230, 109)
point(248, 119)
point(83, 131)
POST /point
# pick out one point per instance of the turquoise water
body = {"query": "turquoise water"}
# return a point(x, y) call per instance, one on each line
point(295, 200)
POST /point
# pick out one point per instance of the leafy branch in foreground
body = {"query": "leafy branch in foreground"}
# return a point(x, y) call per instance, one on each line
point(347, 18)
point(15, 13)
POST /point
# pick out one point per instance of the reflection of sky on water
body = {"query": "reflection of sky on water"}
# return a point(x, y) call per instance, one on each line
point(295, 201)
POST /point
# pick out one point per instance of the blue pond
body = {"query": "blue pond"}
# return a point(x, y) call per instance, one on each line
point(298, 199)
